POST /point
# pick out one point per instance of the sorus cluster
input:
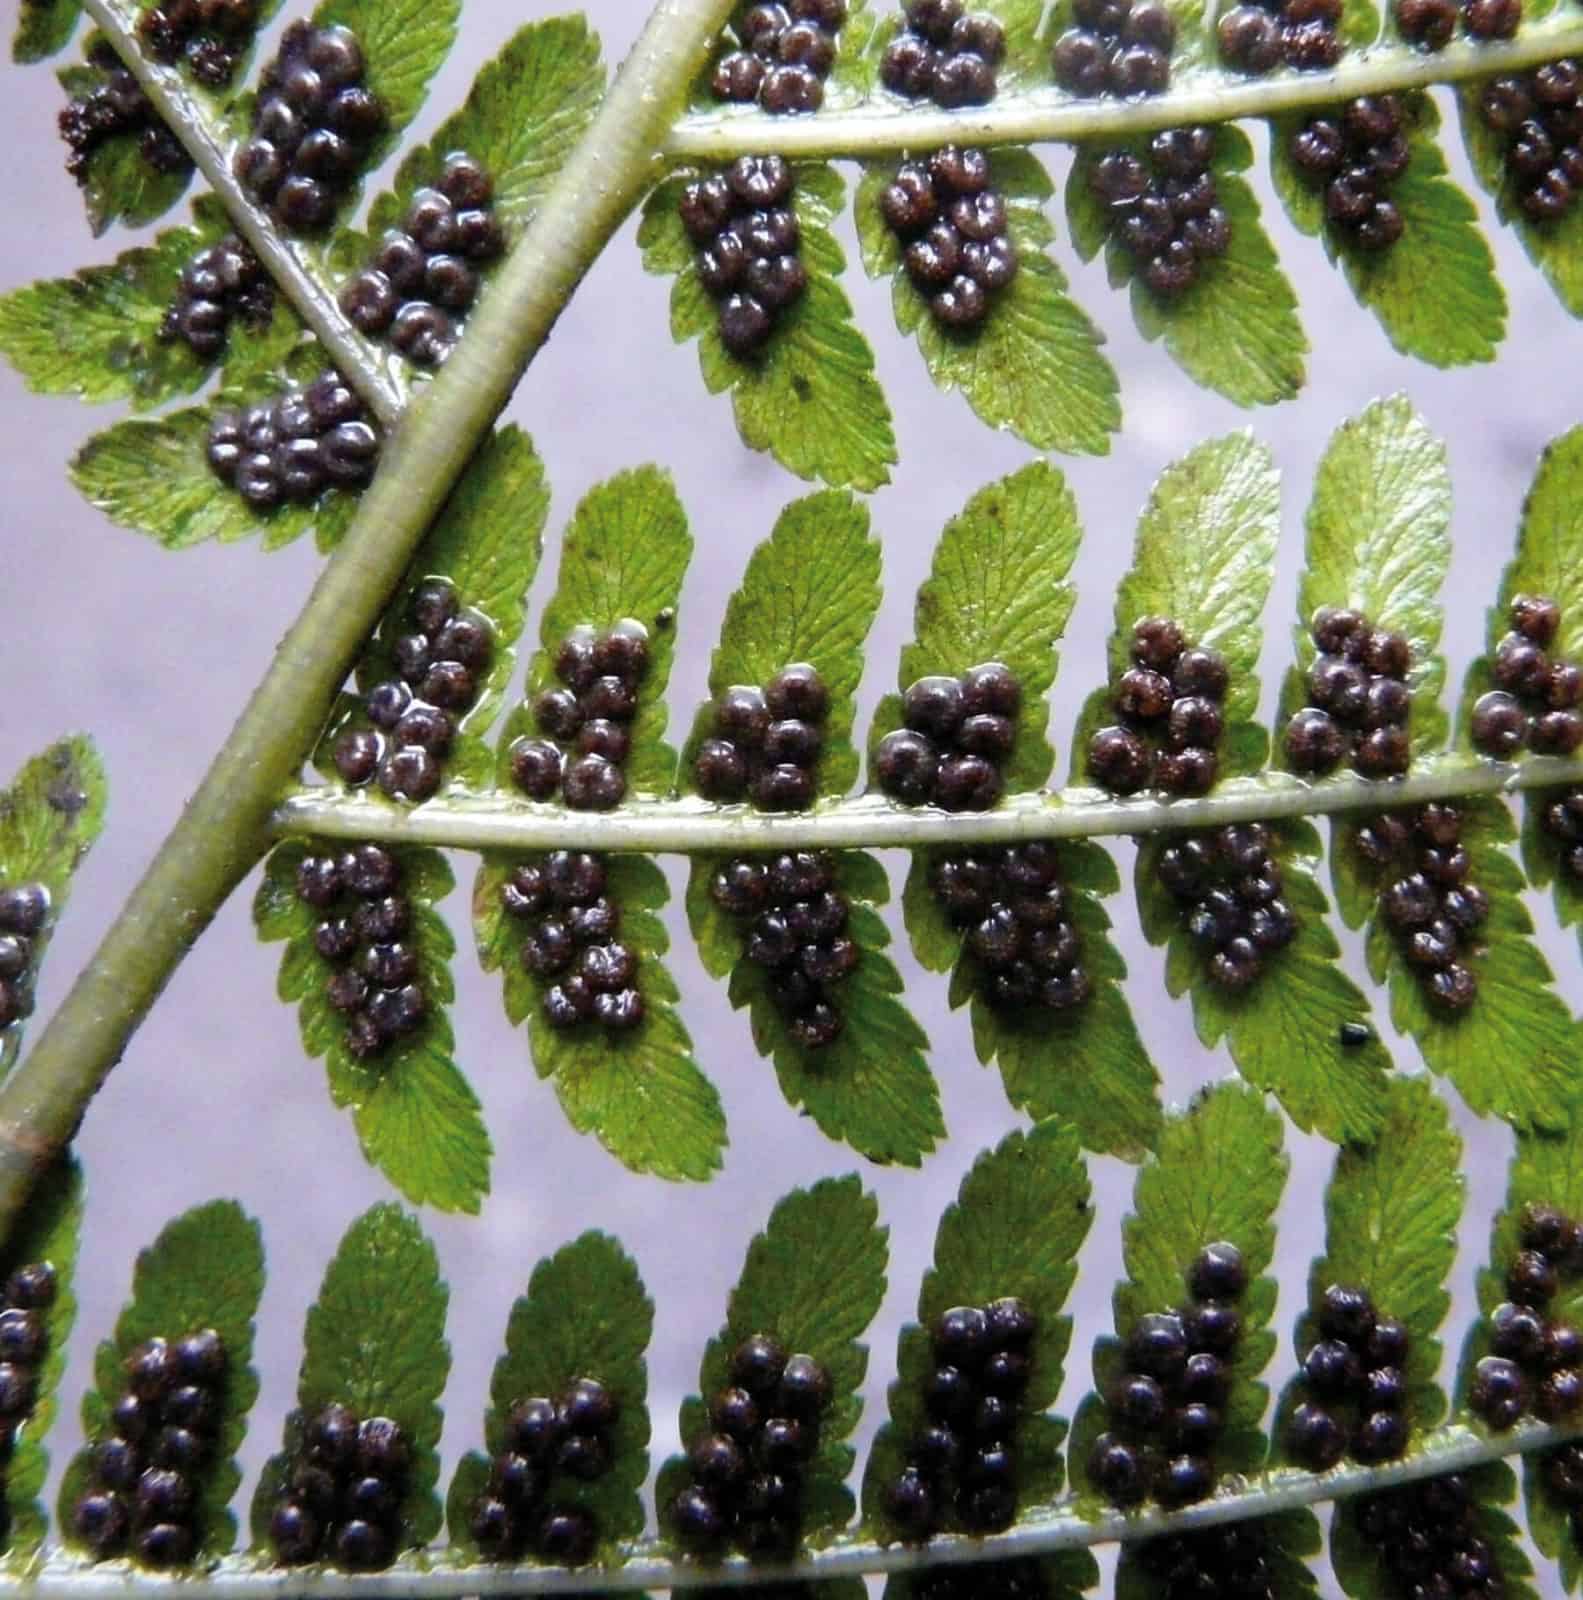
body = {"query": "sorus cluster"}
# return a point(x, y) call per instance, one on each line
point(117, 106)
point(24, 1343)
point(766, 742)
point(312, 123)
point(956, 733)
point(1355, 159)
point(747, 236)
point(1536, 701)
point(795, 920)
point(1540, 115)
point(143, 1495)
point(1429, 904)
point(964, 1459)
point(225, 280)
point(587, 722)
point(1430, 23)
point(1165, 212)
point(1536, 1360)
point(1119, 47)
point(1166, 1406)
point(1258, 37)
point(209, 35)
point(1018, 928)
point(440, 665)
point(1169, 701)
point(425, 273)
point(543, 1437)
point(1562, 820)
point(945, 52)
point(24, 910)
point(1354, 1384)
point(1021, 1579)
point(1358, 700)
point(956, 243)
point(1561, 1470)
point(787, 52)
point(747, 1471)
point(1229, 886)
point(343, 1493)
point(1426, 1536)
point(571, 943)
point(1226, 1563)
point(290, 449)
point(376, 983)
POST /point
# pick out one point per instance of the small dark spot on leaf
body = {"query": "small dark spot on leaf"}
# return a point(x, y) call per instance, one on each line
point(1354, 1034)
point(666, 617)
point(801, 387)
point(66, 797)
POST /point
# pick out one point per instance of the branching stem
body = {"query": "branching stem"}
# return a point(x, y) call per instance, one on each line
point(871, 822)
point(886, 125)
point(287, 261)
point(223, 831)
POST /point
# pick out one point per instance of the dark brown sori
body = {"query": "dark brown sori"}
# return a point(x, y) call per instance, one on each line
point(1165, 1409)
point(1228, 1563)
point(1429, 24)
point(956, 735)
point(208, 36)
point(24, 1345)
point(963, 1460)
point(784, 54)
point(341, 1501)
point(1257, 37)
point(142, 1496)
point(1169, 700)
point(765, 743)
point(365, 938)
point(1426, 1535)
point(24, 915)
point(1116, 47)
point(1353, 1383)
point(424, 275)
point(1539, 116)
point(220, 283)
point(569, 1435)
point(1355, 156)
point(115, 107)
point(1535, 1364)
point(944, 53)
point(572, 944)
point(747, 1470)
point(1165, 212)
point(313, 122)
point(586, 722)
point(1358, 700)
point(747, 234)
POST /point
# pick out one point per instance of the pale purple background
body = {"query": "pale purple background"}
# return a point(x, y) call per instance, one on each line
point(154, 653)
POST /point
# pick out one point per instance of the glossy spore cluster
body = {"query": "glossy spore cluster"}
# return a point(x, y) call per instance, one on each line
point(1535, 702)
point(1117, 47)
point(1017, 925)
point(1225, 1563)
point(1354, 1384)
point(1539, 115)
point(956, 242)
point(24, 1343)
point(343, 1492)
point(1429, 24)
point(567, 1435)
point(313, 122)
point(1229, 886)
point(964, 1459)
point(944, 53)
point(1358, 700)
point(115, 107)
point(364, 935)
point(424, 275)
point(586, 722)
point(24, 912)
point(1165, 212)
point(1165, 1410)
point(441, 665)
point(1426, 1536)
point(747, 1470)
point(766, 742)
point(290, 449)
point(747, 234)
point(143, 1496)
point(794, 918)
point(786, 53)
point(1561, 1472)
point(209, 36)
point(224, 281)
point(1169, 701)
point(572, 945)
point(1535, 1364)
point(1257, 37)
point(956, 734)
point(1562, 821)
point(1354, 159)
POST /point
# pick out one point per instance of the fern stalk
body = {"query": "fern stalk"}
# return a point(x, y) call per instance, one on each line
point(224, 831)
point(208, 143)
point(1037, 116)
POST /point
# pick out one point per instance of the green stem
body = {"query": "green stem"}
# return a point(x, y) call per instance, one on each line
point(886, 125)
point(469, 822)
point(288, 262)
point(223, 831)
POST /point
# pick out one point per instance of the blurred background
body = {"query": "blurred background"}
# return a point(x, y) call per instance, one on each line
point(154, 654)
